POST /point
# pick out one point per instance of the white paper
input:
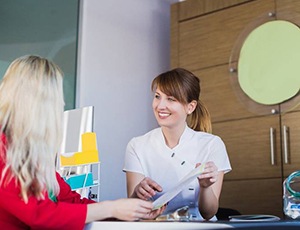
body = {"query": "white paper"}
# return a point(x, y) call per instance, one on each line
point(169, 195)
point(254, 218)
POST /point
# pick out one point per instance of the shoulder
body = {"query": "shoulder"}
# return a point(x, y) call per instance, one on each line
point(207, 139)
point(153, 134)
point(207, 136)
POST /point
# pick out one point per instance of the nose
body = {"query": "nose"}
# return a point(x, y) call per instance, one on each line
point(158, 103)
point(162, 104)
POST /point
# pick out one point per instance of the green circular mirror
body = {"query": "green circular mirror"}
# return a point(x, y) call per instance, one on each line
point(269, 63)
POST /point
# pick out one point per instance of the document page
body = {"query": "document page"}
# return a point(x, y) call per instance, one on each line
point(169, 195)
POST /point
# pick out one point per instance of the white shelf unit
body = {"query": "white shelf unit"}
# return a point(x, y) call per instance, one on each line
point(82, 178)
point(79, 122)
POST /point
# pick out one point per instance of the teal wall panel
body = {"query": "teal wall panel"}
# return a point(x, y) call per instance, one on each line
point(48, 28)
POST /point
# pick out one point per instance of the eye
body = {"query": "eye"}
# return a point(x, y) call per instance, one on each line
point(171, 99)
point(156, 96)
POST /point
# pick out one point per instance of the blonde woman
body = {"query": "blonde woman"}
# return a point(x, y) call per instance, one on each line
point(32, 194)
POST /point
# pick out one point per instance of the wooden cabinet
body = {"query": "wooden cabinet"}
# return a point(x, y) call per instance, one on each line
point(255, 176)
point(263, 143)
point(223, 101)
point(248, 142)
point(253, 196)
point(290, 142)
point(207, 40)
point(255, 183)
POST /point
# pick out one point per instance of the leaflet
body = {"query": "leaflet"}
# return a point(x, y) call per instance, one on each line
point(254, 218)
point(169, 195)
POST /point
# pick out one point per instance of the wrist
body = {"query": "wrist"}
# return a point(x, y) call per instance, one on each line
point(108, 208)
point(203, 185)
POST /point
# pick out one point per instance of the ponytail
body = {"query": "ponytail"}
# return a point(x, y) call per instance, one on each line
point(200, 119)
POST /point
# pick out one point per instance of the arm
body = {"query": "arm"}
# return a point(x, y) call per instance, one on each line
point(123, 209)
point(132, 180)
point(139, 186)
point(210, 183)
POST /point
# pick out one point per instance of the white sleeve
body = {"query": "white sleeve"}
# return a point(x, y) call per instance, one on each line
point(218, 154)
point(132, 162)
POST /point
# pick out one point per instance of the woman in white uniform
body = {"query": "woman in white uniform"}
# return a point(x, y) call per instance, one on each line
point(156, 161)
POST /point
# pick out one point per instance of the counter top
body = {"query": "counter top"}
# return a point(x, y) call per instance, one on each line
point(153, 225)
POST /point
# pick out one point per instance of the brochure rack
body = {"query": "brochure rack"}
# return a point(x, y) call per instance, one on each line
point(76, 169)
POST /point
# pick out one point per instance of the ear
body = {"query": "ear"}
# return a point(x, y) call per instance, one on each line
point(191, 107)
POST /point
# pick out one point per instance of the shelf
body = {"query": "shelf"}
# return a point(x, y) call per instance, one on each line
point(88, 155)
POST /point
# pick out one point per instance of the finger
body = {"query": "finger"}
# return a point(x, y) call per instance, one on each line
point(140, 209)
point(146, 205)
point(210, 169)
point(208, 175)
point(151, 187)
point(155, 186)
point(154, 214)
point(143, 194)
point(210, 164)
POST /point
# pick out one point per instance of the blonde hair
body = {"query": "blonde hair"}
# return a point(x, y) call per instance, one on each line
point(31, 110)
point(185, 87)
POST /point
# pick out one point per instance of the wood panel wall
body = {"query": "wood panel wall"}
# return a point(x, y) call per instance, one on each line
point(204, 37)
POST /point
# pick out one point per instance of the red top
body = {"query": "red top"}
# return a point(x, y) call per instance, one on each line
point(69, 212)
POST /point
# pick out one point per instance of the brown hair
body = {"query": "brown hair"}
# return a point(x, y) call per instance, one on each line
point(185, 87)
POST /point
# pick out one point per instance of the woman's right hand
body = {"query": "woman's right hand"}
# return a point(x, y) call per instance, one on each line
point(129, 209)
point(134, 209)
point(147, 188)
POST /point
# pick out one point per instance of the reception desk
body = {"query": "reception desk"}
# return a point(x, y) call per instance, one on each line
point(147, 225)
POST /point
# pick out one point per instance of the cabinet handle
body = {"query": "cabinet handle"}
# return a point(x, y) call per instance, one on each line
point(272, 146)
point(285, 144)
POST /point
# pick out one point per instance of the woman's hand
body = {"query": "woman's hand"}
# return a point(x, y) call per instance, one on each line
point(147, 188)
point(209, 175)
point(134, 209)
point(129, 209)
point(155, 213)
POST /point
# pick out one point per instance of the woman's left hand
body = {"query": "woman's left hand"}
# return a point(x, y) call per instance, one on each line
point(209, 175)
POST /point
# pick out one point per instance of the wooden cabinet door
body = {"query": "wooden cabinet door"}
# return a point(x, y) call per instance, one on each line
point(248, 143)
point(261, 196)
point(288, 10)
point(208, 40)
point(225, 100)
point(290, 142)
point(194, 8)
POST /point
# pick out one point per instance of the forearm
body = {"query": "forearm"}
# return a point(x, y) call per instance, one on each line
point(98, 211)
point(210, 189)
point(133, 179)
point(208, 202)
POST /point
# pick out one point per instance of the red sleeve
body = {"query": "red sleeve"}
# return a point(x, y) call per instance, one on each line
point(39, 214)
point(69, 212)
point(67, 195)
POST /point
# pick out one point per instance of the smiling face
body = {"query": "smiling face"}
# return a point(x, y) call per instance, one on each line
point(176, 91)
point(169, 112)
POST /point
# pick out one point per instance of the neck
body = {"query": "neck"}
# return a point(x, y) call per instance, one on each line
point(172, 135)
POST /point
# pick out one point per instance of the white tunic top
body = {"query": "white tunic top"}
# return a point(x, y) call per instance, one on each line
point(150, 156)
